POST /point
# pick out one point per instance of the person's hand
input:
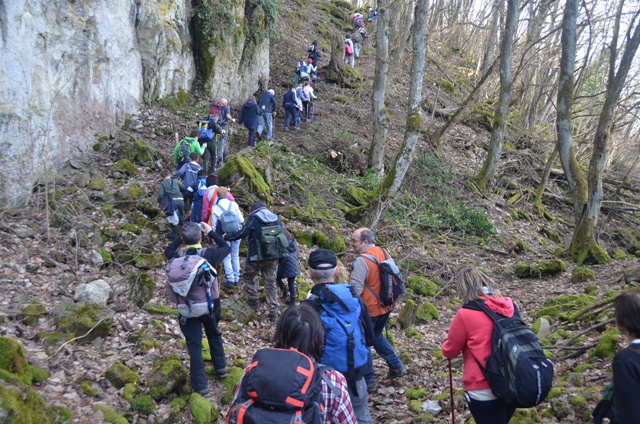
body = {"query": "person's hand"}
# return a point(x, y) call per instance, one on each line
point(233, 120)
point(224, 132)
point(444, 336)
point(274, 113)
point(205, 227)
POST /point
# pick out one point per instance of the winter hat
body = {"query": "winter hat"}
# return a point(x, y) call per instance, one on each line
point(309, 60)
point(322, 259)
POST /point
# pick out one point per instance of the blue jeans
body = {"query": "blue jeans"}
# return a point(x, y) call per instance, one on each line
point(382, 346)
point(192, 330)
point(268, 121)
point(290, 115)
point(359, 403)
point(252, 137)
point(489, 411)
point(232, 263)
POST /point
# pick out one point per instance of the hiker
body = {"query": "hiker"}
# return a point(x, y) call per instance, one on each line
point(626, 363)
point(173, 189)
point(197, 190)
point(340, 309)
point(290, 105)
point(308, 97)
point(221, 115)
point(219, 222)
point(289, 268)
point(358, 21)
point(192, 327)
point(249, 117)
point(210, 198)
point(348, 51)
point(299, 99)
point(313, 70)
point(267, 102)
point(365, 281)
point(258, 261)
point(357, 39)
point(373, 15)
point(210, 154)
point(298, 331)
point(304, 72)
point(314, 53)
point(188, 173)
point(186, 146)
point(470, 333)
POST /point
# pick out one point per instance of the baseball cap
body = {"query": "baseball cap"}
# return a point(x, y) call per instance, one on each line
point(322, 259)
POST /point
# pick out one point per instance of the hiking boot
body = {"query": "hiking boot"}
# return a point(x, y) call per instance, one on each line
point(397, 372)
point(286, 128)
point(372, 387)
point(221, 373)
point(227, 285)
point(203, 392)
point(285, 293)
point(273, 317)
point(291, 300)
point(253, 304)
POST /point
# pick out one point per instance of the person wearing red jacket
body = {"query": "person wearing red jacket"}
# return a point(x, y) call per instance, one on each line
point(470, 334)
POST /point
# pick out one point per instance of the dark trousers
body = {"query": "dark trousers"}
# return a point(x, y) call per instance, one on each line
point(192, 330)
point(291, 283)
point(210, 157)
point(252, 137)
point(290, 113)
point(490, 411)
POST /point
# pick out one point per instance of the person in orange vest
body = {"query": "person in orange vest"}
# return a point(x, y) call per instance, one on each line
point(365, 282)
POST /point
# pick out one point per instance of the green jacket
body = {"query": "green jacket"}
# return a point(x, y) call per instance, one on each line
point(172, 187)
point(195, 147)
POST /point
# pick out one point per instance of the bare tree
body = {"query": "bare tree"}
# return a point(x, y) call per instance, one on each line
point(497, 132)
point(394, 178)
point(489, 51)
point(380, 114)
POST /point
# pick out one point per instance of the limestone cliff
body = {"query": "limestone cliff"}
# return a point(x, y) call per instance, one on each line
point(74, 69)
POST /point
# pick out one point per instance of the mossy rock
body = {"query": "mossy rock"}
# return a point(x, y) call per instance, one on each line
point(202, 410)
point(356, 196)
point(546, 267)
point(236, 309)
point(87, 388)
point(242, 167)
point(424, 418)
point(141, 288)
point(14, 363)
point(167, 376)
point(607, 345)
point(124, 167)
point(427, 312)
point(416, 393)
point(49, 338)
point(22, 404)
point(145, 339)
point(335, 243)
point(110, 415)
point(139, 152)
point(230, 383)
point(592, 253)
point(581, 274)
point(525, 416)
point(412, 333)
point(138, 400)
point(148, 260)
point(354, 215)
point(119, 375)
point(128, 196)
point(160, 310)
point(97, 184)
point(32, 313)
point(415, 406)
point(408, 314)
point(552, 234)
point(422, 286)
point(619, 255)
point(80, 320)
point(303, 238)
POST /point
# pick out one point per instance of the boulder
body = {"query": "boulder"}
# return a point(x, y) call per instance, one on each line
point(96, 291)
point(235, 309)
point(141, 288)
point(167, 376)
point(84, 320)
point(120, 375)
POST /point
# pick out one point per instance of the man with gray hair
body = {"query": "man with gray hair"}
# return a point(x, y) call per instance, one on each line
point(347, 324)
point(192, 327)
point(225, 117)
point(365, 282)
point(267, 102)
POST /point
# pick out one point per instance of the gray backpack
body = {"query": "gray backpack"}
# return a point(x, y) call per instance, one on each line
point(187, 275)
point(229, 221)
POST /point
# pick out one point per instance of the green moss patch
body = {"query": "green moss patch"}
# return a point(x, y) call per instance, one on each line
point(415, 393)
point(167, 376)
point(230, 383)
point(607, 345)
point(546, 267)
point(87, 388)
point(13, 360)
point(119, 375)
point(32, 313)
point(138, 400)
point(160, 310)
point(241, 166)
point(427, 312)
point(581, 274)
point(110, 415)
point(422, 286)
point(202, 410)
point(87, 321)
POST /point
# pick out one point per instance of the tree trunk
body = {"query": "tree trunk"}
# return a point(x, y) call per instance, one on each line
point(336, 63)
point(584, 244)
point(489, 51)
point(380, 114)
point(394, 178)
point(497, 132)
point(542, 211)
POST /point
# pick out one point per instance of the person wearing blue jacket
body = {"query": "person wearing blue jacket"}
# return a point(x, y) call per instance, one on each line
point(249, 117)
point(289, 268)
point(267, 102)
point(290, 104)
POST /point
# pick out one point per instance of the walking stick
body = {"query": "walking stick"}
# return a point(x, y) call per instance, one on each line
point(453, 410)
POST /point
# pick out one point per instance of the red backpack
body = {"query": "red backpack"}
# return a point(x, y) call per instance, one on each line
point(215, 112)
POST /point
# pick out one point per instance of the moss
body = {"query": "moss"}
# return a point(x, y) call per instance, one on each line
point(126, 167)
point(21, 404)
point(62, 414)
point(592, 253)
point(168, 375)
point(49, 338)
point(87, 388)
point(32, 313)
point(303, 238)
point(230, 383)
point(160, 310)
point(525, 416)
point(551, 234)
point(141, 288)
point(427, 312)
point(119, 375)
point(413, 333)
point(128, 196)
point(356, 196)
point(88, 321)
point(546, 267)
point(591, 289)
point(415, 406)
point(619, 255)
point(202, 410)
point(147, 261)
point(245, 167)
point(552, 266)
point(422, 286)
point(578, 401)
point(550, 311)
point(415, 393)
point(581, 274)
point(138, 400)
point(335, 243)
point(107, 210)
point(97, 184)
point(110, 414)
point(106, 257)
point(14, 361)
point(178, 403)
point(607, 345)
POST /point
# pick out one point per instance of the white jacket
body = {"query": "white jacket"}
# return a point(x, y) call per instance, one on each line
point(222, 204)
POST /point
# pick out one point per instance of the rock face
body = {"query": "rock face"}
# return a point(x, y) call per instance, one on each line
point(72, 70)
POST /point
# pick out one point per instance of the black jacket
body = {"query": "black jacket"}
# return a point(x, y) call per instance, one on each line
point(258, 219)
point(213, 255)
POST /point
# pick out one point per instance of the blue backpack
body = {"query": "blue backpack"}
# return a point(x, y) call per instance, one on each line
point(204, 132)
point(345, 348)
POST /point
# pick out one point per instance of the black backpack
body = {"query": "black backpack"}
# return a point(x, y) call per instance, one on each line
point(185, 150)
point(273, 242)
point(391, 282)
point(518, 371)
point(166, 202)
point(280, 386)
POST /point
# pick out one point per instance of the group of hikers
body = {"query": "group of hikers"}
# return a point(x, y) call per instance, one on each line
point(321, 352)
point(354, 40)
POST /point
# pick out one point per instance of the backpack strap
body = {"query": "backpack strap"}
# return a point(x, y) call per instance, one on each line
point(375, 261)
point(331, 297)
point(327, 380)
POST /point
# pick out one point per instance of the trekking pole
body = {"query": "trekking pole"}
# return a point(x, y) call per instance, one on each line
point(453, 410)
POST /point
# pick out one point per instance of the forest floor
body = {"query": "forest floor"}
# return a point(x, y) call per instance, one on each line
point(28, 242)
